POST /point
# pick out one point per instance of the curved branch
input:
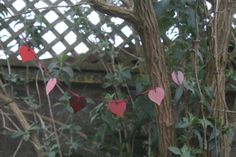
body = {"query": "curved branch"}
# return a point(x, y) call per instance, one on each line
point(115, 11)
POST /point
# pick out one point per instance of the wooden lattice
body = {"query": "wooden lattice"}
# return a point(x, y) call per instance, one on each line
point(61, 33)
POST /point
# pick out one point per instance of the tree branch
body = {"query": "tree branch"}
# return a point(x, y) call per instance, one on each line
point(23, 121)
point(115, 11)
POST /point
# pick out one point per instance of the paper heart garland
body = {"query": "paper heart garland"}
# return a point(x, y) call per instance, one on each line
point(177, 77)
point(117, 107)
point(50, 85)
point(26, 53)
point(156, 95)
point(77, 103)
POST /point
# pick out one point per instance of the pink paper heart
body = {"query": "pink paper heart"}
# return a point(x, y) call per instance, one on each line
point(156, 95)
point(117, 107)
point(177, 77)
point(50, 85)
point(26, 53)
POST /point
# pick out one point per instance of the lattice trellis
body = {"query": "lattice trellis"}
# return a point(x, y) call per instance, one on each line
point(61, 33)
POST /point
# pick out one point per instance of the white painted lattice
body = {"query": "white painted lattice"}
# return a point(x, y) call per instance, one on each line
point(63, 27)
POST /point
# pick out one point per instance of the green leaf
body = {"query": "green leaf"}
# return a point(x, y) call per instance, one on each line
point(199, 137)
point(68, 108)
point(205, 123)
point(90, 101)
point(26, 137)
point(175, 150)
point(214, 134)
point(74, 145)
point(106, 84)
point(54, 147)
point(161, 7)
point(52, 66)
point(126, 74)
point(191, 20)
point(178, 94)
point(199, 54)
point(52, 154)
point(65, 97)
point(209, 92)
point(186, 151)
point(183, 124)
point(189, 86)
point(69, 71)
point(17, 134)
point(34, 128)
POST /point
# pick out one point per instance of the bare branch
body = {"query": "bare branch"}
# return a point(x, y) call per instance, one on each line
point(115, 11)
point(127, 3)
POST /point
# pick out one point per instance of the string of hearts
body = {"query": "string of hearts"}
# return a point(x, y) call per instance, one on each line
point(117, 107)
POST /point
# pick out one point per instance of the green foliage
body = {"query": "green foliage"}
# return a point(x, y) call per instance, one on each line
point(62, 69)
point(25, 135)
point(120, 77)
point(31, 102)
point(185, 151)
point(63, 103)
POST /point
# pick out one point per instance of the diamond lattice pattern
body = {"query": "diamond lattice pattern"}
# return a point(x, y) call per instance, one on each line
point(61, 29)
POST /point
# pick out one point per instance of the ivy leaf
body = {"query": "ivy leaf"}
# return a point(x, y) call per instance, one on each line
point(175, 150)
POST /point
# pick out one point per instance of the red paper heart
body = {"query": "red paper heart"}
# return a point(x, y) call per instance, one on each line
point(177, 77)
point(117, 107)
point(77, 103)
point(26, 53)
point(50, 85)
point(156, 95)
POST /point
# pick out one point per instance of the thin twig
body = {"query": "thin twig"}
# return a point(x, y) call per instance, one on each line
point(52, 116)
point(4, 123)
point(18, 148)
point(37, 89)
point(116, 11)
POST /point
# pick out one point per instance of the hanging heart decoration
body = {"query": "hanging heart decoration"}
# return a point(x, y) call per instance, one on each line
point(50, 85)
point(156, 95)
point(117, 107)
point(177, 77)
point(26, 53)
point(77, 103)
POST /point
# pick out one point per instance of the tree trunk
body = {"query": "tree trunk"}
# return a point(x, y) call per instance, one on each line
point(216, 69)
point(149, 32)
point(144, 20)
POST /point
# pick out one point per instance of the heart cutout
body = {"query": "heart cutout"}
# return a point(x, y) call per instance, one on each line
point(26, 53)
point(50, 85)
point(177, 77)
point(77, 103)
point(117, 107)
point(156, 95)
